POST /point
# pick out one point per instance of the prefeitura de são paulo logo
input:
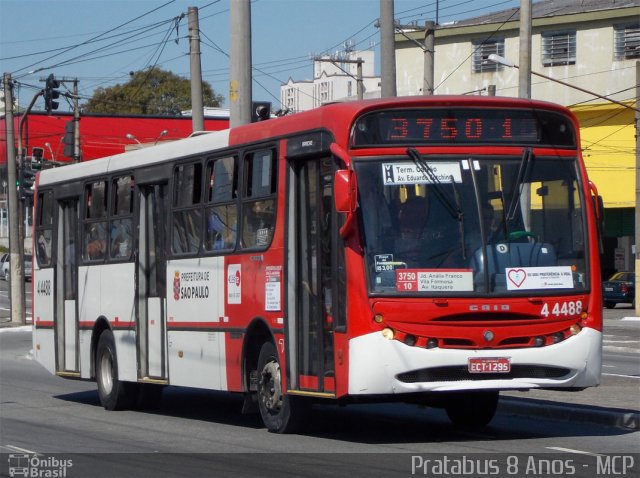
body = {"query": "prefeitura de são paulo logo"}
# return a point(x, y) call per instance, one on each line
point(176, 286)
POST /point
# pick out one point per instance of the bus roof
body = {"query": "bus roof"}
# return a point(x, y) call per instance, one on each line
point(335, 117)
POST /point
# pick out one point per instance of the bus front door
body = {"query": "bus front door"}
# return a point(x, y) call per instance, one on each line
point(151, 281)
point(66, 323)
point(313, 263)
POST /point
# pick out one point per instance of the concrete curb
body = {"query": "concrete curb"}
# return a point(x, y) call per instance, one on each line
point(612, 417)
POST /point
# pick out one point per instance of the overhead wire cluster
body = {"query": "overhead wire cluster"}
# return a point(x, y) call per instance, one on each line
point(152, 39)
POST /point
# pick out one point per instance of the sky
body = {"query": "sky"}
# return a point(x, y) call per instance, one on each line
point(101, 41)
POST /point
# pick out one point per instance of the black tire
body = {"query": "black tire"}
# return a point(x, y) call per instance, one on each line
point(281, 413)
point(609, 305)
point(472, 410)
point(7, 276)
point(113, 393)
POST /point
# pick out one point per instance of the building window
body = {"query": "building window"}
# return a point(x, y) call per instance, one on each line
point(627, 41)
point(559, 48)
point(481, 52)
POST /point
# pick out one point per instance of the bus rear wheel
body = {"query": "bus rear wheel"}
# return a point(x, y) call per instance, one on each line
point(113, 393)
point(472, 409)
point(281, 413)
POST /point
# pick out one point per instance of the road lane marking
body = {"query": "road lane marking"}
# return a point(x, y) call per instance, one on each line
point(18, 449)
point(569, 450)
point(620, 375)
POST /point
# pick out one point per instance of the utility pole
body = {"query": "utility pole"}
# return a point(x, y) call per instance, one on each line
point(387, 49)
point(15, 261)
point(524, 73)
point(637, 231)
point(76, 123)
point(429, 52)
point(240, 93)
point(197, 108)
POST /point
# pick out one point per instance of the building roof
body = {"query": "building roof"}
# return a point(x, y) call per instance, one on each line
point(546, 9)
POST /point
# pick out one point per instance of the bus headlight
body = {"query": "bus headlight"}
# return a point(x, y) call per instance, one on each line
point(388, 333)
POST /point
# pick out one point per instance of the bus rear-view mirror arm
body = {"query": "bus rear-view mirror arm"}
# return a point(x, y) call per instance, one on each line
point(345, 191)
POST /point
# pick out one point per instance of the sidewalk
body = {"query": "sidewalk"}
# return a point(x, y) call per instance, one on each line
point(616, 402)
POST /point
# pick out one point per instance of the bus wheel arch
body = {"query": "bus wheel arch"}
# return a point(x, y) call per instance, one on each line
point(280, 412)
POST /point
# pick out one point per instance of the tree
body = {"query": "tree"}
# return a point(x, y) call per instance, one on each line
point(149, 92)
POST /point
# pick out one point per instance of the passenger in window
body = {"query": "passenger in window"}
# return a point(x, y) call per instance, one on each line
point(221, 230)
point(121, 239)
point(44, 248)
point(259, 224)
point(96, 242)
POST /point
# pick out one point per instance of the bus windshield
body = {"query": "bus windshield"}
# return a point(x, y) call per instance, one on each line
point(464, 226)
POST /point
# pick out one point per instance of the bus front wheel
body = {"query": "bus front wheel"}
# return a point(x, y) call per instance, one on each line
point(281, 413)
point(472, 409)
point(113, 393)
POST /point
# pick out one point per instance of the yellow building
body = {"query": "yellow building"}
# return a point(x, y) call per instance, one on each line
point(591, 45)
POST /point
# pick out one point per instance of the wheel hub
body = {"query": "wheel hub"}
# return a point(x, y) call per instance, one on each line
point(270, 387)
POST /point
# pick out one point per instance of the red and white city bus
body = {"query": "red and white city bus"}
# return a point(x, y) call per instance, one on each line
point(434, 250)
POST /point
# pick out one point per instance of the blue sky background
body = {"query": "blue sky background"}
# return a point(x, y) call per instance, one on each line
point(101, 41)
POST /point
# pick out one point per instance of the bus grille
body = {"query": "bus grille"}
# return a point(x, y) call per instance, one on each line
point(460, 373)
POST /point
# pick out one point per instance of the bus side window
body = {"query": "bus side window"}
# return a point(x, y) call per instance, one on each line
point(259, 204)
point(94, 245)
point(221, 215)
point(121, 232)
point(44, 225)
point(187, 217)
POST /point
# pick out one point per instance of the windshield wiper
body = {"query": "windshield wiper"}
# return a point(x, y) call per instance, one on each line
point(523, 171)
point(424, 167)
point(455, 210)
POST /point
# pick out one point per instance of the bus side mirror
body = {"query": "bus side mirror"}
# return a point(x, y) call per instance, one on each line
point(598, 207)
point(344, 191)
point(345, 198)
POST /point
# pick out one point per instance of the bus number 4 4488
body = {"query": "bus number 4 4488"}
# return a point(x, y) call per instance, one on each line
point(558, 309)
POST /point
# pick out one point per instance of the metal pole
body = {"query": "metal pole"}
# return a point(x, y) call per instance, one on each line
point(387, 49)
point(197, 108)
point(15, 261)
point(240, 93)
point(360, 85)
point(429, 51)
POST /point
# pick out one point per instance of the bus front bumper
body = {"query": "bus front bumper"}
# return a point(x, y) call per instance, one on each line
point(381, 366)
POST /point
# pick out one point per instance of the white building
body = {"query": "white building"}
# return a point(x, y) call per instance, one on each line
point(333, 79)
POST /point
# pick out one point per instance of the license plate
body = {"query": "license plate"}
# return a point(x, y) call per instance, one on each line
point(608, 289)
point(490, 365)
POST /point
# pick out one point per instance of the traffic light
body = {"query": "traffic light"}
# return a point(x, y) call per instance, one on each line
point(37, 155)
point(69, 138)
point(260, 111)
point(26, 179)
point(51, 94)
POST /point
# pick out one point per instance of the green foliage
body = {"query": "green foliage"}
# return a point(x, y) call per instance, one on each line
point(149, 92)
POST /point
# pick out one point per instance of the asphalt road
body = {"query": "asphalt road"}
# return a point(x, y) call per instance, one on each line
point(194, 432)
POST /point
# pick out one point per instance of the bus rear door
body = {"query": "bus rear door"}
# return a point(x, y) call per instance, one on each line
point(151, 280)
